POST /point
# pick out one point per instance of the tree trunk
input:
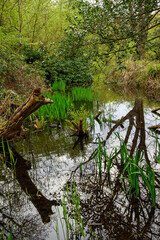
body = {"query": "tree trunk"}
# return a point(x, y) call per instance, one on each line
point(13, 128)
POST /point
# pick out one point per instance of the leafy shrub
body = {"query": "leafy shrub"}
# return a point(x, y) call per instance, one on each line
point(76, 115)
point(33, 54)
point(154, 70)
point(70, 70)
point(3, 66)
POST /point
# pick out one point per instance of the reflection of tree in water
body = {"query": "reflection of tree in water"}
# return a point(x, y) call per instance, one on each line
point(106, 208)
point(14, 203)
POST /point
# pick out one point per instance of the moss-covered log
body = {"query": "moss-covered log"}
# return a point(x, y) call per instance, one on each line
point(13, 128)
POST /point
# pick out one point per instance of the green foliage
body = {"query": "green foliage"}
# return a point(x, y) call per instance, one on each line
point(99, 155)
point(80, 113)
point(154, 70)
point(115, 26)
point(132, 172)
point(58, 86)
point(72, 214)
point(82, 94)
point(70, 70)
point(58, 110)
point(32, 54)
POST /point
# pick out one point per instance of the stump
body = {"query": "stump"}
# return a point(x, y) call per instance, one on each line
point(13, 128)
point(78, 129)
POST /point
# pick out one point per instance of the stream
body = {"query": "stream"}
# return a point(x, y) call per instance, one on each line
point(30, 190)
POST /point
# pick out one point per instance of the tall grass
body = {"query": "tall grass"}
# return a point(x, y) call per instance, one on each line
point(100, 156)
point(82, 94)
point(9, 237)
point(71, 214)
point(157, 150)
point(58, 110)
point(6, 149)
point(58, 86)
point(133, 172)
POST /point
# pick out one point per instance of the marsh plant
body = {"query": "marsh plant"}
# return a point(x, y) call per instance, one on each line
point(58, 110)
point(100, 156)
point(72, 225)
point(135, 172)
point(58, 86)
point(4, 237)
point(157, 150)
point(62, 106)
point(7, 151)
point(76, 115)
point(82, 94)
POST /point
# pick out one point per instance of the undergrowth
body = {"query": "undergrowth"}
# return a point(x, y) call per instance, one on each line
point(143, 74)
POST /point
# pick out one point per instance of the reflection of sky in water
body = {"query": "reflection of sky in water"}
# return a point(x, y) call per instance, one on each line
point(50, 171)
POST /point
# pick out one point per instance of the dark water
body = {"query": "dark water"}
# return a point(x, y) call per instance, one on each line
point(31, 187)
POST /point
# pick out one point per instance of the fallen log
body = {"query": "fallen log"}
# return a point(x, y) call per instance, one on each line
point(13, 128)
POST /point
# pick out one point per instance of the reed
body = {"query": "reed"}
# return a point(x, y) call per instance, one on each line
point(82, 94)
point(3, 147)
point(157, 150)
point(12, 160)
point(100, 156)
point(132, 172)
point(71, 214)
point(9, 237)
point(58, 86)
point(91, 122)
point(58, 110)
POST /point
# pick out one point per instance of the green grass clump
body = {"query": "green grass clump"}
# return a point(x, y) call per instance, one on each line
point(71, 214)
point(133, 172)
point(58, 110)
point(58, 86)
point(82, 94)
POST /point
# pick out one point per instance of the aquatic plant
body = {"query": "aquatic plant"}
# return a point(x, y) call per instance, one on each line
point(99, 155)
point(82, 94)
point(81, 113)
point(91, 121)
point(9, 237)
point(71, 213)
point(157, 150)
point(58, 110)
point(12, 160)
point(58, 86)
point(132, 172)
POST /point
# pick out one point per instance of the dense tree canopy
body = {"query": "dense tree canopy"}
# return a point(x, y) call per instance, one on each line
point(63, 33)
point(116, 24)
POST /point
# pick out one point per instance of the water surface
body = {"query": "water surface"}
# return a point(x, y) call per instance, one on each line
point(30, 191)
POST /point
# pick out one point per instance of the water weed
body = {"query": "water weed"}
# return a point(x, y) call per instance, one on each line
point(71, 214)
point(81, 113)
point(82, 94)
point(58, 86)
point(58, 110)
point(99, 156)
point(157, 150)
point(133, 171)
